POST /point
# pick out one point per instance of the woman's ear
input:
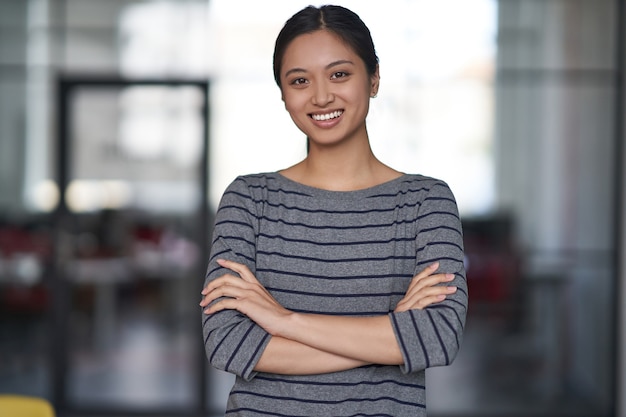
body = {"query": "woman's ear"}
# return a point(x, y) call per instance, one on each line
point(375, 82)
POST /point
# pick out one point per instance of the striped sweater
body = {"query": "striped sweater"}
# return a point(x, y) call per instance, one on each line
point(338, 253)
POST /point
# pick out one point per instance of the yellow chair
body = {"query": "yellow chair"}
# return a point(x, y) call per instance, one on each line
point(24, 406)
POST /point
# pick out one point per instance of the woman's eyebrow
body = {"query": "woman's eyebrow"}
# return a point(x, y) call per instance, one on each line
point(327, 67)
point(294, 70)
point(340, 62)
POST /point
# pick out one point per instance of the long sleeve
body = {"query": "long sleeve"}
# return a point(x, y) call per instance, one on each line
point(432, 336)
point(349, 254)
point(233, 342)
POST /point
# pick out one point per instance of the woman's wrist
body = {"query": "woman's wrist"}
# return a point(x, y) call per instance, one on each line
point(288, 326)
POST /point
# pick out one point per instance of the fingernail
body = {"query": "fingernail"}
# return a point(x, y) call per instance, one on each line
point(452, 290)
point(435, 265)
point(449, 277)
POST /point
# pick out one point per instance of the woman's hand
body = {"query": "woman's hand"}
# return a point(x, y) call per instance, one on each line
point(246, 295)
point(424, 291)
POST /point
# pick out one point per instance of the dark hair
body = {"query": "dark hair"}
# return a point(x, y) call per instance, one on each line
point(343, 22)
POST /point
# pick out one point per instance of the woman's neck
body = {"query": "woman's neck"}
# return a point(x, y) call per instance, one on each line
point(337, 169)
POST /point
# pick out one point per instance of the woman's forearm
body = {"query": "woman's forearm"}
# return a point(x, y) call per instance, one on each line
point(288, 357)
point(363, 339)
point(359, 339)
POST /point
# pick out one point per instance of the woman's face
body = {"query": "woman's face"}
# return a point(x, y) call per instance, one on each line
point(326, 88)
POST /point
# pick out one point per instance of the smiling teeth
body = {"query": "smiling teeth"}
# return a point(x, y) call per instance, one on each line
point(321, 117)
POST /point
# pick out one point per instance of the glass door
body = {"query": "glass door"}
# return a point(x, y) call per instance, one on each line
point(130, 245)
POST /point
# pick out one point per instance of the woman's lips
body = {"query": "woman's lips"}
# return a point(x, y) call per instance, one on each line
point(326, 120)
point(323, 117)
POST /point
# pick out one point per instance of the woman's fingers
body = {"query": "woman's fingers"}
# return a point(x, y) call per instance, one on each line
point(225, 304)
point(420, 282)
point(421, 304)
point(232, 287)
point(430, 269)
point(425, 297)
point(243, 271)
point(426, 288)
point(424, 274)
point(217, 288)
point(241, 291)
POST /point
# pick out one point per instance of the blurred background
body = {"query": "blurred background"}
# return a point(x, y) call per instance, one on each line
point(122, 121)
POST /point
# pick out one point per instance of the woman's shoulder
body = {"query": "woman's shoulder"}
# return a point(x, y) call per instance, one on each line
point(425, 188)
point(423, 181)
point(263, 184)
point(254, 180)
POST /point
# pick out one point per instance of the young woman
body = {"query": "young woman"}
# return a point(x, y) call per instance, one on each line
point(333, 284)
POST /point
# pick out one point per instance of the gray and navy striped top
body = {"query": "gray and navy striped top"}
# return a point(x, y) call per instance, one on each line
point(346, 253)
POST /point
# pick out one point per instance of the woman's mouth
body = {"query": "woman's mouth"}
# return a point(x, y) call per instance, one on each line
point(326, 116)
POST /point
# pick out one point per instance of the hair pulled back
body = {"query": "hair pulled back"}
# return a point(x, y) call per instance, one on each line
point(343, 22)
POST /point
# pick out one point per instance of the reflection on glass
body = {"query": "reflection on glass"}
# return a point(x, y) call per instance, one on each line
point(45, 196)
point(139, 148)
point(134, 257)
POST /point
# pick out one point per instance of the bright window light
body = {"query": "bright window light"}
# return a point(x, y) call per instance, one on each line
point(433, 114)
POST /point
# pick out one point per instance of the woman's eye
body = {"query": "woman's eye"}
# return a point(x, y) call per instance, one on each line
point(298, 81)
point(339, 74)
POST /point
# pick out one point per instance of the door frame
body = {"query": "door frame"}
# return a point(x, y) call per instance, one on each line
point(60, 288)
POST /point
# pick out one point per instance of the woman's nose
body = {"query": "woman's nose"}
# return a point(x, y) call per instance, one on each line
point(322, 95)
